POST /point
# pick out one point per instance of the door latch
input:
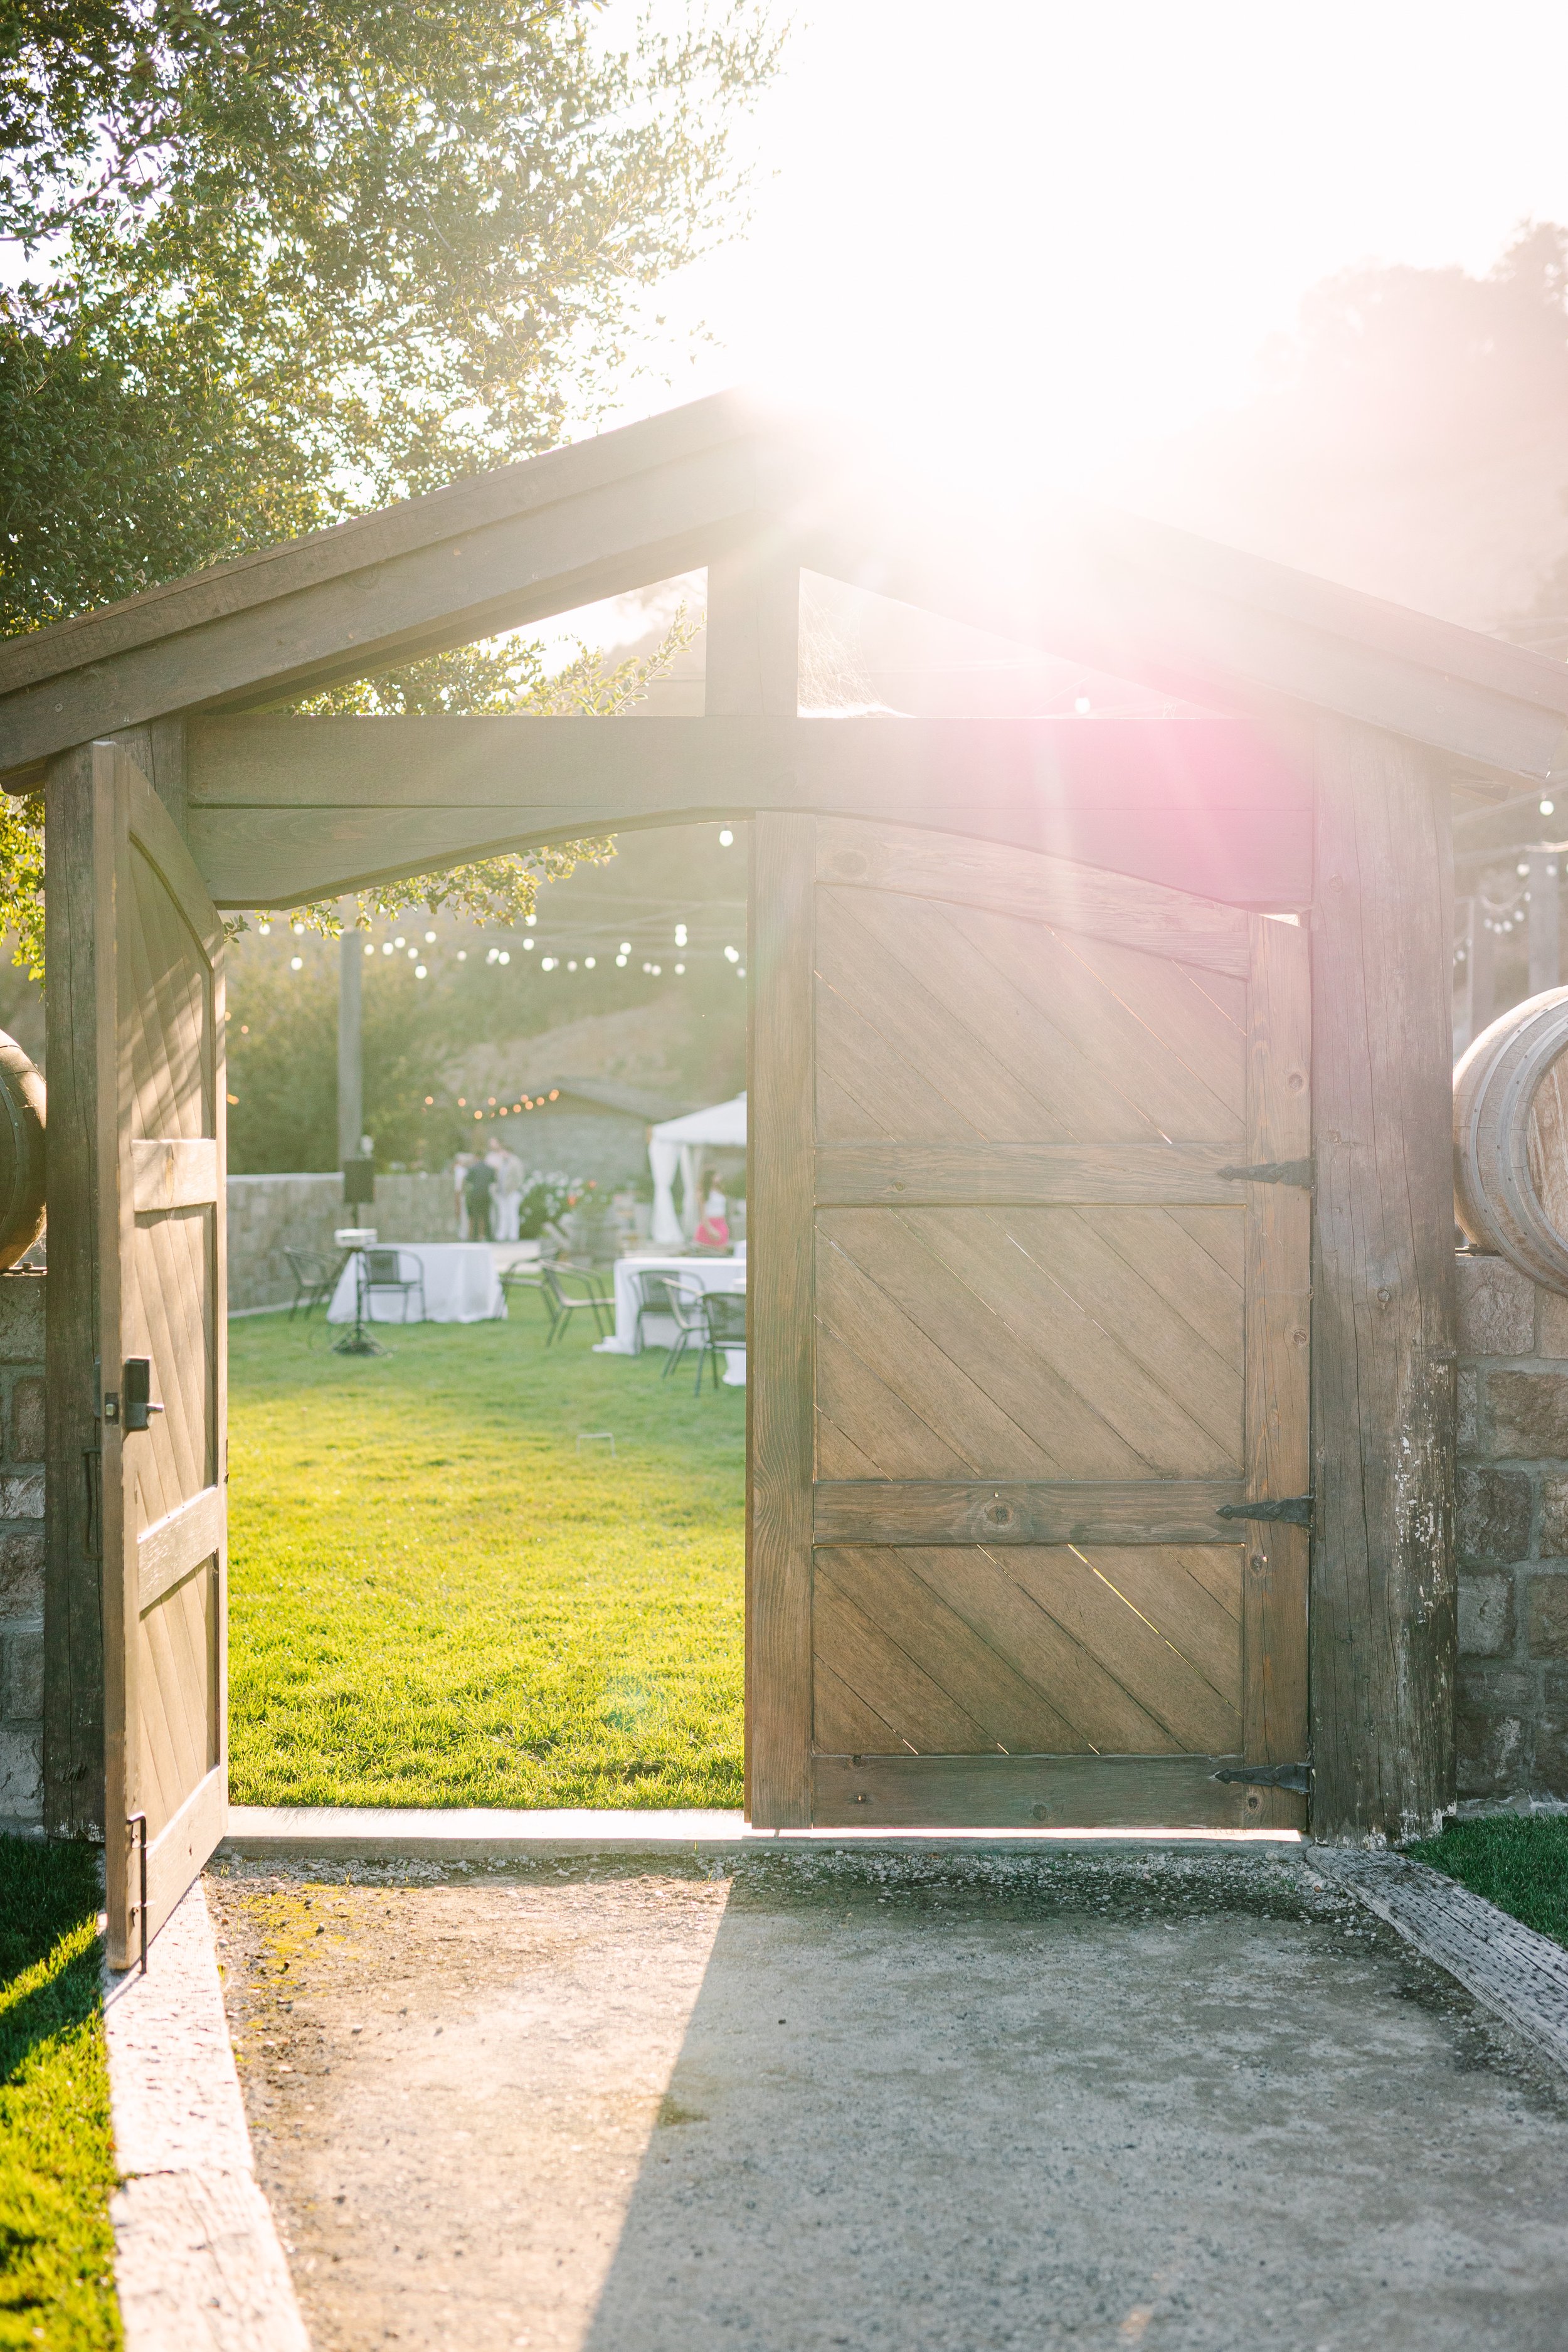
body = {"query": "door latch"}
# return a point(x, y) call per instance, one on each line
point(136, 1392)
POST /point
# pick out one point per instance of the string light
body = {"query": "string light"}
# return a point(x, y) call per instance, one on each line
point(296, 963)
point(725, 837)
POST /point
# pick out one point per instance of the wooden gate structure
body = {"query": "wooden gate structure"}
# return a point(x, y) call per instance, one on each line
point(1101, 1414)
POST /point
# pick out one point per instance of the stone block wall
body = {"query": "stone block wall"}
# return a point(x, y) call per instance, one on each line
point(267, 1215)
point(1512, 1535)
point(21, 1548)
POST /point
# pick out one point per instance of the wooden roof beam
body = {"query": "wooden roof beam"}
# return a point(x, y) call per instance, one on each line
point(281, 810)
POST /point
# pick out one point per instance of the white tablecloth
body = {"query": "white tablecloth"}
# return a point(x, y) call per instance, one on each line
point(703, 1274)
point(461, 1285)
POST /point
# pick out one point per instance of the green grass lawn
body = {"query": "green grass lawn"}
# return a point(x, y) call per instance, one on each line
point(437, 1598)
point(57, 2153)
point(1520, 1865)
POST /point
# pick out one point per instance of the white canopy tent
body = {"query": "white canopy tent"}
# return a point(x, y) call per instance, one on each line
point(675, 1143)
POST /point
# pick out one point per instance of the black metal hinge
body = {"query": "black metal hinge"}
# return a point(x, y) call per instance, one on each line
point(1296, 1511)
point(1275, 1172)
point(1297, 1776)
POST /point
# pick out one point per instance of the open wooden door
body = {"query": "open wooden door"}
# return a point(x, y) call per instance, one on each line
point(145, 979)
point(1029, 1206)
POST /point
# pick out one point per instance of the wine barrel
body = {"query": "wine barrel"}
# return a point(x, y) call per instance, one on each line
point(21, 1151)
point(1511, 1138)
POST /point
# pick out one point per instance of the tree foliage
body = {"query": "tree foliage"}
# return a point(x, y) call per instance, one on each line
point(284, 262)
point(293, 260)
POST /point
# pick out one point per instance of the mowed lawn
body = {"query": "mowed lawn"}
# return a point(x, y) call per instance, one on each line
point(438, 1598)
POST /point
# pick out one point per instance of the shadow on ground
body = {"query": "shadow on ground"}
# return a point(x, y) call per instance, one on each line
point(939, 2105)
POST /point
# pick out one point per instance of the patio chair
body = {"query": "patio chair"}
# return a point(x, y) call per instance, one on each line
point(529, 1277)
point(686, 1310)
point(383, 1269)
point(315, 1279)
point(561, 1304)
point(724, 1327)
point(656, 1297)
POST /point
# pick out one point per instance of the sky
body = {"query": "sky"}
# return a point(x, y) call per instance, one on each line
point(1048, 235)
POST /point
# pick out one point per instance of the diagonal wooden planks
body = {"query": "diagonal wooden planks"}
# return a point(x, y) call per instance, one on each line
point(1035, 1375)
point(1036, 1650)
point(1021, 1336)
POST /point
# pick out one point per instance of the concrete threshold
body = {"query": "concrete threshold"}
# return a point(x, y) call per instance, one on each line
point(483, 1835)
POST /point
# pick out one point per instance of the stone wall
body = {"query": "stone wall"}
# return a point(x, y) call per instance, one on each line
point(1512, 1535)
point(21, 1548)
point(267, 1215)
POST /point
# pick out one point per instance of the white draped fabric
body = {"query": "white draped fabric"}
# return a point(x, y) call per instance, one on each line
point(676, 1143)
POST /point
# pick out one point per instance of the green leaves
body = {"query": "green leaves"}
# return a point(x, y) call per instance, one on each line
point(291, 261)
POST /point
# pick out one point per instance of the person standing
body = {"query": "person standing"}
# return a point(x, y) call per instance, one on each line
point(506, 1201)
point(479, 1183)
point(460, 1167)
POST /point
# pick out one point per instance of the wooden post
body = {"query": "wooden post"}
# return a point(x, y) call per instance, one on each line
point(752, 650)
point(350, 1059)
point(159, 750)
point(1383, 1348)
point(1543, 921)
point(73, 1531)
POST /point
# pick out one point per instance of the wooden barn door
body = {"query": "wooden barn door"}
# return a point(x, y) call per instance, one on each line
point(154, 968)
point(1029, 1206)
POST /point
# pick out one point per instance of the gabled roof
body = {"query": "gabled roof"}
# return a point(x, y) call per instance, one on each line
point(497, 549)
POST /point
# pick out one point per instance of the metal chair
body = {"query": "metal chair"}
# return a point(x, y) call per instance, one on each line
point(656, 1296)
point(530, 1277)
point(315, 1279)
point(381, 1269)
point(562, 1303)
point(724, 1327)
point(685, 1308)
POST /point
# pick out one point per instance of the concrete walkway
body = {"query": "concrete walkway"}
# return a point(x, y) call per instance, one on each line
point(940, 2103)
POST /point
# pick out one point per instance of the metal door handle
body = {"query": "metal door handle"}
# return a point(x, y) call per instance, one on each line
point(136, 1392)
